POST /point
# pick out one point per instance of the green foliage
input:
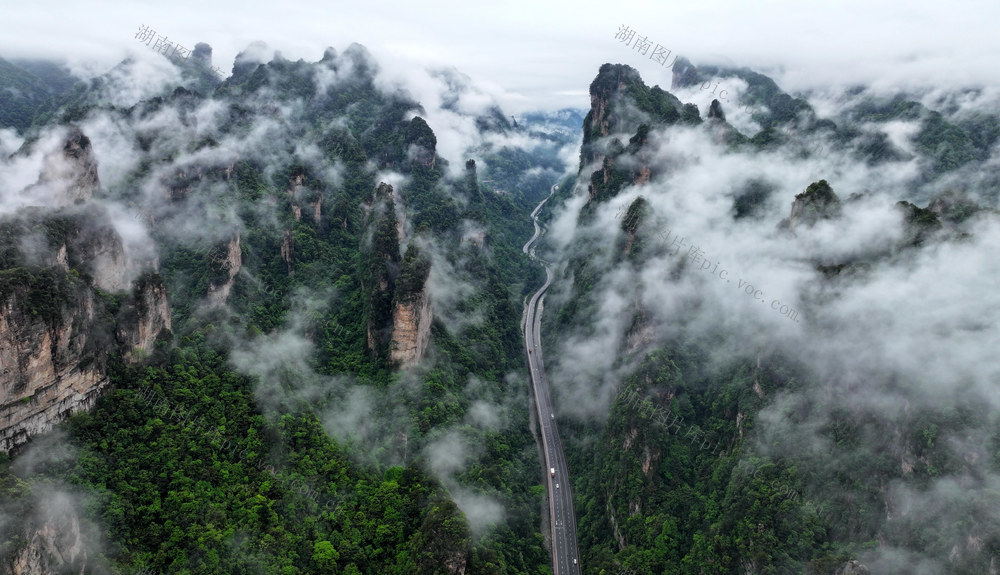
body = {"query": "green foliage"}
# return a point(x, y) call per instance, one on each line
point(193, 472)
point(45, 293)
point(751, 199)
point(23, 97)
point(413, 272)
point(817, 201)
point(420, 134)
point(949, 146)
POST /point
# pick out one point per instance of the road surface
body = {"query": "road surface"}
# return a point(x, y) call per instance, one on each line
point(561, 515)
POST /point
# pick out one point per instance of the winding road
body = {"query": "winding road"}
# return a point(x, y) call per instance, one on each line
point(565, 556)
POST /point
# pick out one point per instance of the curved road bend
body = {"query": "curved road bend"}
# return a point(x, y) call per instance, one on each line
point(561, 515)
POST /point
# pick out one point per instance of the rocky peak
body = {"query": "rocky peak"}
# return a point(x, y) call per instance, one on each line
point(607, 87)
point(202, 53)
point(715, 111)
point(70, 172)
point(918, 223)
point(684, 74)
point(421, 142)
point(816, 203)
point(250, 57)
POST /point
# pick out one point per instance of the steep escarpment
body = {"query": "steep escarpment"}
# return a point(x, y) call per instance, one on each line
point(621, 103)
point(59, 320)
point(145, 318)
point(56, 336)
point(225, 262)
point(52, 332)
point(412, 314)
point(69, 172)
point(383, 269)
point(421, 143)
point(289, 153)
point(81, 238)
point(45, 537)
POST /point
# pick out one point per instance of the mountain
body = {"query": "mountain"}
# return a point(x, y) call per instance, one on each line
point(272, 323)
point(264, 325)
point(822, 430)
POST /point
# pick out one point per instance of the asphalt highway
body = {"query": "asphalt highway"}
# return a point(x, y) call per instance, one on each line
point(565, 556)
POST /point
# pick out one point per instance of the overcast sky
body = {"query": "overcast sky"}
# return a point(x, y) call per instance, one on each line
point(543, 55)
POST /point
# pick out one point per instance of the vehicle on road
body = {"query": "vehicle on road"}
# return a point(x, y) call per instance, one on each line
point(552, 470)
point(557, 486)
point(552, 415)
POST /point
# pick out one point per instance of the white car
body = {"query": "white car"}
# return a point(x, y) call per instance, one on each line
point(557, 486)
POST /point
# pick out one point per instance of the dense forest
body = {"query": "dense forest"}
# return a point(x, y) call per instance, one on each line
point(342, 387)
point(271, 434)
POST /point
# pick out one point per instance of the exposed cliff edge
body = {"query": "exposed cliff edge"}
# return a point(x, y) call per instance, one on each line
point(52, 334)
point(56, 336)
point(384, 261)
point(818, 202)
point(47, 539)
point(69, 173)
point(144, 319)
point(58, 323)
point(226, 262)
point(411, 329)
point(412, 315)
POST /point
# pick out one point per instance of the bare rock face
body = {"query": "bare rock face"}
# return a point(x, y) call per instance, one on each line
point(69, 174)
point(853, 568)
point(55, 339)
point(98, 250)
point(317, 207)
point(53, 543)
point(81, 238)
point(227, 262)
point(641, 334)
point(288, 252)
point(50, 359)
point(411, 329)
point(145, 319)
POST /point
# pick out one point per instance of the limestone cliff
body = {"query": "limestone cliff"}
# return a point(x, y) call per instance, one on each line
point(56, 331)
point(226, 263)
point(49, 540)
point(144, 319)
point(288, 252)
point(82, 238)
point(69, 173)
point(56, 336)
point(384, 260)
point(411, 316)
point(52, 351)
point(411, 329)
point(95, 248)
